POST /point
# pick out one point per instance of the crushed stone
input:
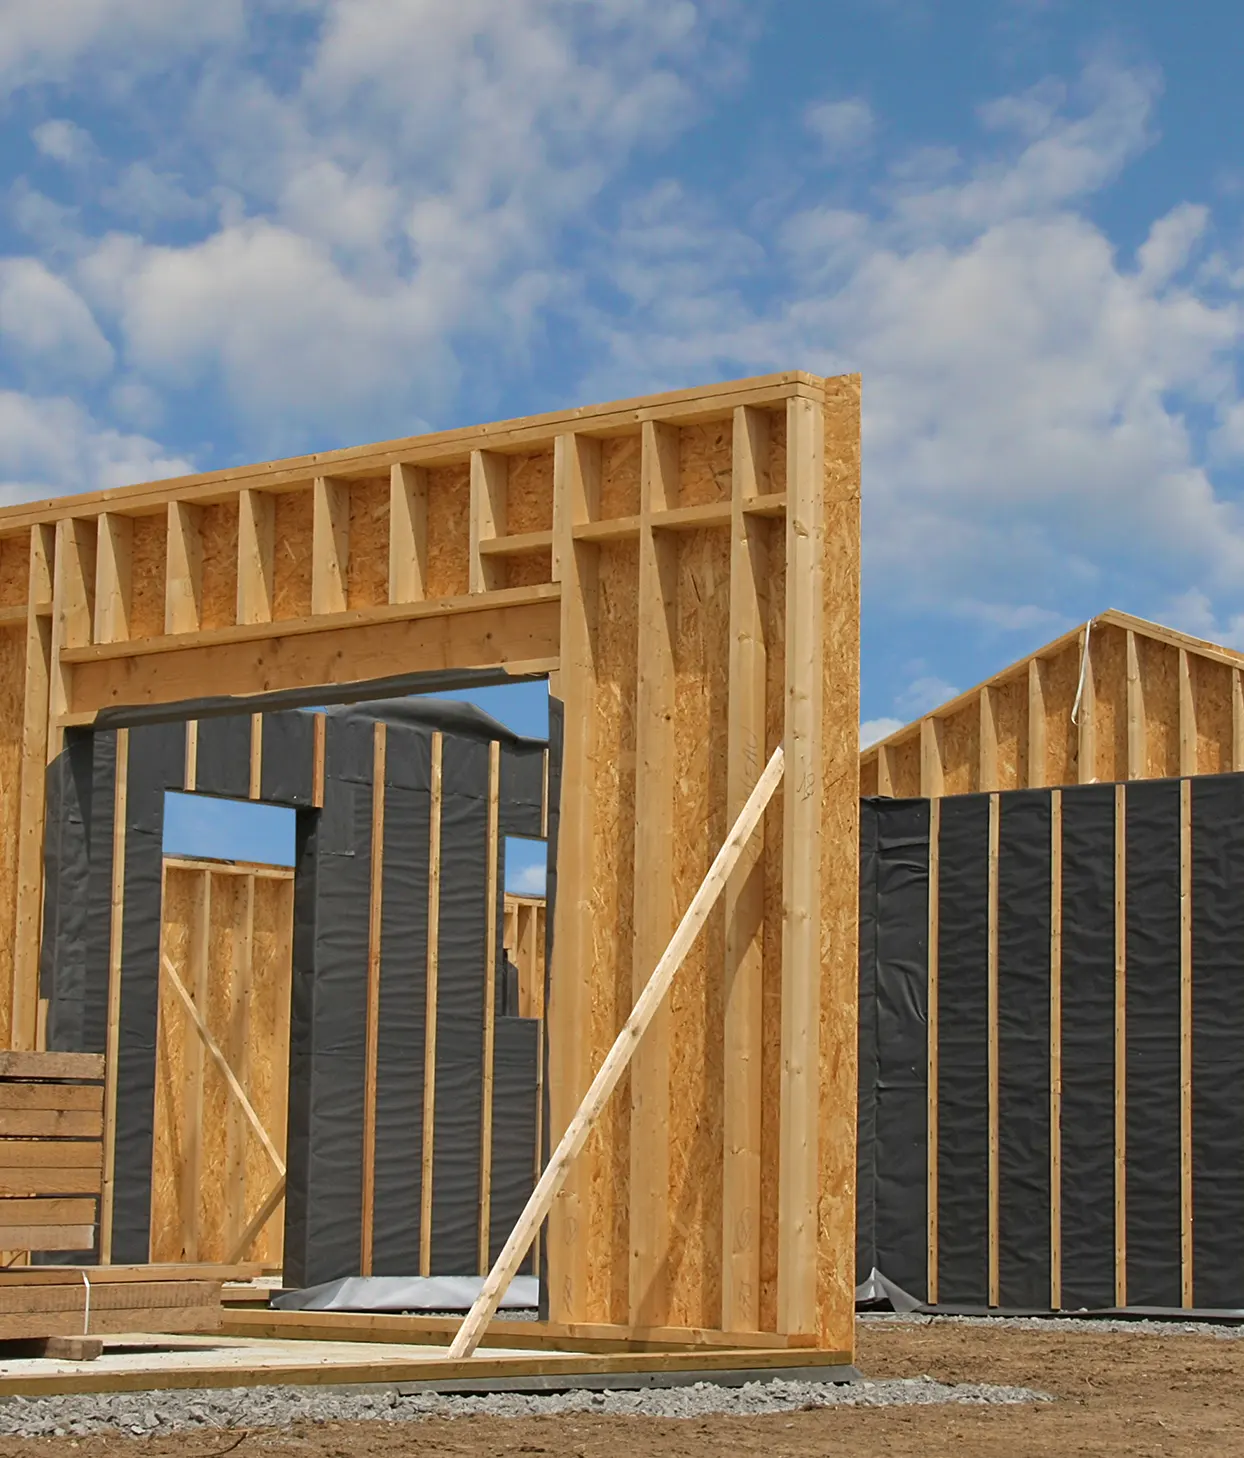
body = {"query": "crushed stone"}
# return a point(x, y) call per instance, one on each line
point(157, 1413)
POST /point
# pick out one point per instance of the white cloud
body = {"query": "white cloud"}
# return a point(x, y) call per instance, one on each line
point(43, 40)
point(1027, 389)
point(871, 730)
point(64, 141)
point(51, 446)
point(529, 881)
point(43, 322)
point(843, 128)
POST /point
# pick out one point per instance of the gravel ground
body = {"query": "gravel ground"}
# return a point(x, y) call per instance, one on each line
point(159, 1413)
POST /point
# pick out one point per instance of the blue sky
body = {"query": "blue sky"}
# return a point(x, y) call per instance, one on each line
point(243, 229)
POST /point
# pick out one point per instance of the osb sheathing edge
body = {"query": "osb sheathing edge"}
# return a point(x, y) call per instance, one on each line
point(12, 683)
point(839, 874)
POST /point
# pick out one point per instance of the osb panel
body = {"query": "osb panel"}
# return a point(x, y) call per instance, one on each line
point(1061, 675)
point(268, 1074)
point(367, 582)
point(771, 944)
point(291, 554)
point(14, 570)
point(905, 767)
point(12, 685)
point(219, 534)
point(607, 1156)
point(961, 739)
point(619, 476)
point(529, 494)
point(1108, 650)
point(839, 866)
point(170, 1222)
point(1211, 692)
point(148, 567)
point(1010, 708)
point(868, 778)
point(697, 1009)
point(449, 531)
point(777, 450)
point(704, 463)
point(529, 569)
point(1159, 677)
point(223, 1141)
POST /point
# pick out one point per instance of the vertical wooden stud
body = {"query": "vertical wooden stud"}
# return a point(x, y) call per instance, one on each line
point(113, 558)
point(330, 545)
point(430, 1005)
point(190, 779)
point(1137, 755)
point(992, 1036)
point(935, 826)
point(371, 1060)
point(408, 533)
point(576, 478)
point(489, 479)
point(256, 555)
point(544, 796)
point(885, 770)
point(799, 1158)
point(73, 611)
point(491, 891)
point(237, 1051)
point(183, 580)
point(744, 894)
point(1056, 1049)
point(28, 927)
point(195, 1072)
point(112, 1032)
point(987, 757)
point(318, 753)
point(1036, 723)
point(1086, 725)
point(255, 788)
point(1237, 720)
point(1120, 1045)
point(1186, 1212)
point(654, 910)
point(1187, 716)
point(932, 774)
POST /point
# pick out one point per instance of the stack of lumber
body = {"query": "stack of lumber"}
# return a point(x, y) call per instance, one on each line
point(76, 1301)
point(51, 1150)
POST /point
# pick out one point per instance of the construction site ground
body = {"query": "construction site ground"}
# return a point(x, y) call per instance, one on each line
point(1131, 1391)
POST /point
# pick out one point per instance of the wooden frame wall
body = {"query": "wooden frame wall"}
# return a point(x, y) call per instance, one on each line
point(1155, 703)
point(676, 565)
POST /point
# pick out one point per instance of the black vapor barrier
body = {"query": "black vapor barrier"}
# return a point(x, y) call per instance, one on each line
point(328, 1013)
point(1050, 1150)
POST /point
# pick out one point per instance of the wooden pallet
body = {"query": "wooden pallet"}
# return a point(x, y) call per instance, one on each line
point(51, 1150)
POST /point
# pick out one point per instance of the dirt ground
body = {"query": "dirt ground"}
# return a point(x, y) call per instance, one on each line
point(1118, 1393)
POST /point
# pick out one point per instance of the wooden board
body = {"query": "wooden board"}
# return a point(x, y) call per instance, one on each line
point(210, 1172)
point(601, 546)
point(1156, 703)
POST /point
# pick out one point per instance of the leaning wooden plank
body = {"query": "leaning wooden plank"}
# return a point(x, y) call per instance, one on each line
point(616, 1062)
point(52, 1065)
point(213, 1048)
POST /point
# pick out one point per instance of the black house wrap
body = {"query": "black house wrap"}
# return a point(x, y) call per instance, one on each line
point(323, 1219)
point(1087, 1094)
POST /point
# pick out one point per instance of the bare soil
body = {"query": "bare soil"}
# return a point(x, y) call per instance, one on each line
point(1117, 1393)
